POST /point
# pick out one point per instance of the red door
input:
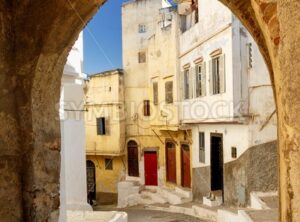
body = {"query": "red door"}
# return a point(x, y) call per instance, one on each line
point(150, 161)
point(171, 162)
point(185, 166)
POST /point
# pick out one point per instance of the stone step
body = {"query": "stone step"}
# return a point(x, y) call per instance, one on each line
point(264, 201)
point(154, 196)
point(184, 192)
point(173, 197)
point(262, 215)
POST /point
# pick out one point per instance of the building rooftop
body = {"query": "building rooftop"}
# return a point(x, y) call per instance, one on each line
point(108, 73)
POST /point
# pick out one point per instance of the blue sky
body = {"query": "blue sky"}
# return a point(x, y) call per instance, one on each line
point(103, 39)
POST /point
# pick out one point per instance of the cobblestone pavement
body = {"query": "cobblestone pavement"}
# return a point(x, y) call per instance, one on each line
point(141, 215)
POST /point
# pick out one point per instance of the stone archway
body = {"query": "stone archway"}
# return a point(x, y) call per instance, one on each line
point(35, 39)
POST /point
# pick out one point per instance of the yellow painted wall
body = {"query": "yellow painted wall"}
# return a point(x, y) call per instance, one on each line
point(105, 98)
point(107, 180)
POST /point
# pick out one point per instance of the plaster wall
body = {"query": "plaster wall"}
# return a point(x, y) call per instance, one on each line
point(105, 98)
point(73, 185)
point(136, 76)
point(107, 180)
point(163, 67)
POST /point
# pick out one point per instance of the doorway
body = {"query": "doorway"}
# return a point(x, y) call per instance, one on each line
point(150, 164)
point(91, 180)
point(216, 162)
point(133, 160)
point(171, 162)
point(185, 166)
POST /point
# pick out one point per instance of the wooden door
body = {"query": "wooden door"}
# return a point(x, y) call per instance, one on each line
point(171, 162)
point(185, 166)
point(150, 162)
point(91, 180)
point(216, 161)
point(133, 161)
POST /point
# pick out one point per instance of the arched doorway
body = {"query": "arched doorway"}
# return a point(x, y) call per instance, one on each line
point(91, 180)
point(133, 161)
point(171, 162)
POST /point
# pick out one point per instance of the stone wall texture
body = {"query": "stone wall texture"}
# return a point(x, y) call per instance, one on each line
point(255, 170)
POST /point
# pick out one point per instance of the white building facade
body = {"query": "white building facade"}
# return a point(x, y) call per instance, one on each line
point(227, 103)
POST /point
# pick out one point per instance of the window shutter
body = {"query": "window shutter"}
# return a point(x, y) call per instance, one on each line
point(211, 85)
point(222, 73)
point(191, 82)
point(146, 108)
point(203, 80)
point(201, 147)
point(155, 93)
point(107, 126)
point(197, 83)
point(181, 86)
point(169, 92)
point(100, 126)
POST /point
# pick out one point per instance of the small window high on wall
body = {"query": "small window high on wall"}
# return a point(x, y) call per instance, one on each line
point(146, 107)
point(201, 147)
point(155, 93)
point(142, 28)
point(142, 57)
point(101, 126)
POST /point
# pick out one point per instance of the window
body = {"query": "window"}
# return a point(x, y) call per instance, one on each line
point(108, 164)
point(142, 28)
point(233, 152)
point(155, 93)
point(186, 83)
point(101, 126)
point(142, 57)
point(201, 147)
point(169, 92)
point(200, 80)
point(217, 75)
point(146, 108)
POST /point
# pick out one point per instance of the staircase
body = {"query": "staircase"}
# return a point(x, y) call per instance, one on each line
point(131, 193)
point(264, 208)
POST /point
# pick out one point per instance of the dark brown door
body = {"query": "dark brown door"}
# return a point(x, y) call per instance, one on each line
point(150, 164)
point(171, 162)
point(216, 158)
point(91, 180)
point(185, 166)
point(133, 161)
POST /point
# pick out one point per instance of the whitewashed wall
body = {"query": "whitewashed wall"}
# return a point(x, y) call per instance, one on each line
point(73, 165)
